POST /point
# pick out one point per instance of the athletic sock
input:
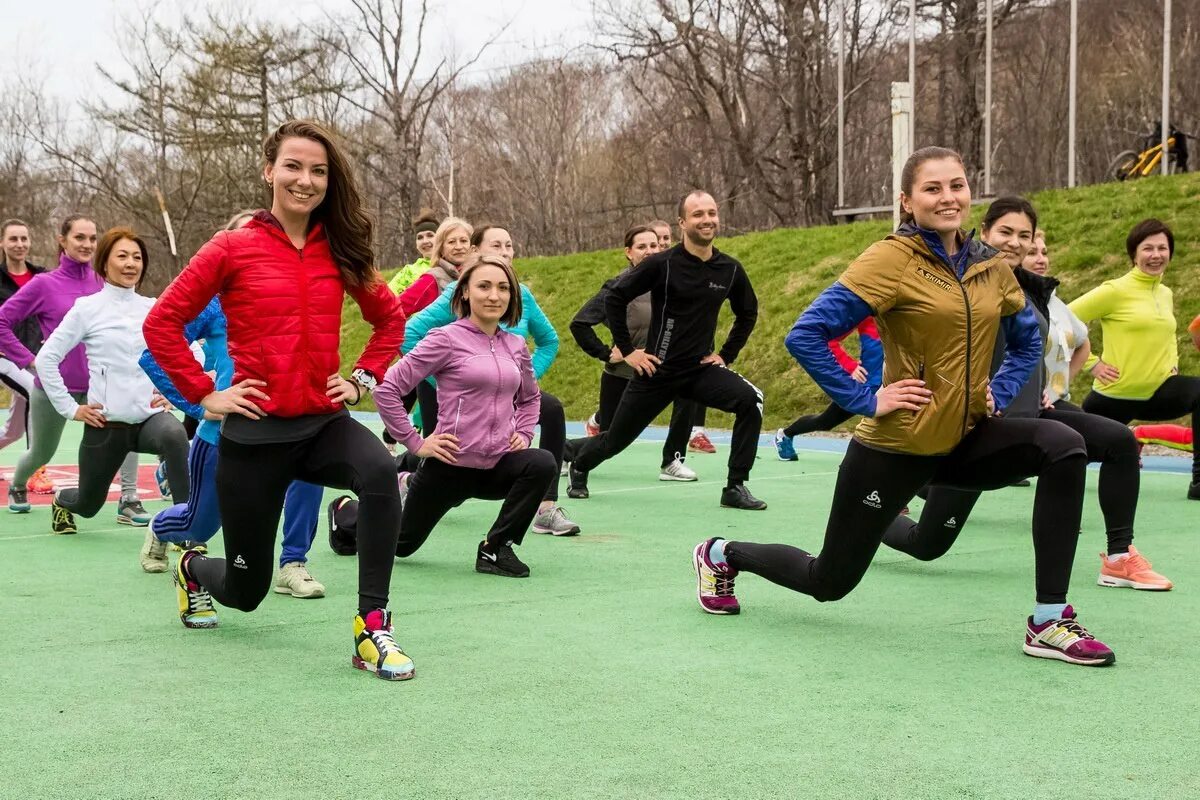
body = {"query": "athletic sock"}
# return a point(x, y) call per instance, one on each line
point(716, 552)
point(696, 430)
point(1121, 556)
point(1044, 612)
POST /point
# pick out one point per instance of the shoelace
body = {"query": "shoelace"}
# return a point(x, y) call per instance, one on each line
point(1075, 628)
point(384, 643)
point(199, 600)
point(61, 515)
point(1137, 563)
point(158, 548)
point(723, 584)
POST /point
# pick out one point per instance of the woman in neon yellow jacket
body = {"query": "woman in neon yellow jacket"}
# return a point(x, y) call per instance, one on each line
point(1137, 374)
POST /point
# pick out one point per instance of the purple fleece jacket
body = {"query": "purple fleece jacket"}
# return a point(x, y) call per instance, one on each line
point(486, 391)
point(47, 298)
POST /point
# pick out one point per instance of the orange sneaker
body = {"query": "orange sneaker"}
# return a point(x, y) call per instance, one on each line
point(701, 444)
point(39, 483)
point(1131, 573)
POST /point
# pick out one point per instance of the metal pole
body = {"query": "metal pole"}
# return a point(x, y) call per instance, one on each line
point(1071, 73)
point(1166, 86)
point(912, 68)
point(841, 105)
point(987, 105)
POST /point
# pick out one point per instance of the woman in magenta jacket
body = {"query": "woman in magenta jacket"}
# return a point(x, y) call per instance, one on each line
point(282, 279)
point(488, 404)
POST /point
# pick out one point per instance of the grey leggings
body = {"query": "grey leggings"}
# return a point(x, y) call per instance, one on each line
point(45, 431)
point(103, 449)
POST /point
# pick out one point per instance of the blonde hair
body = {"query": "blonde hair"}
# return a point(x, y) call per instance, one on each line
point(443, 233)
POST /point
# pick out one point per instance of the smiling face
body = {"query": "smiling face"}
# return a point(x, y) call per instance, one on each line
point(80, 242)
point(497, 241)
point(663, 232)
point(124, 267)
point(15, 242)
point(1037, 260)
point(1012, 235)
point(1153, 254)
point(299, 177)
point(425, 243)
point(644, 244)
point(488, 294)
point(457, 246)
point(940, 198)
point(700, 222)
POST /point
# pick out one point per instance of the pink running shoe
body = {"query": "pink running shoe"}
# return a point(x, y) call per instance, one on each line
point(1066, 640)
point(714, 582)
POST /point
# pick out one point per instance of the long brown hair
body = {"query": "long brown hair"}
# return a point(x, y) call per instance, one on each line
point(105, 247)
point(348, 226)
point(462, 306)
point(909, 173)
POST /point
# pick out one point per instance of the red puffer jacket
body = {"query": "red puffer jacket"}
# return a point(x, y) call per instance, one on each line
point(284, 308)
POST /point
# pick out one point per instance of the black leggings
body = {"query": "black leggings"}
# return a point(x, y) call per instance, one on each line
point(874, 485)
point(708, 385)
point(519, 479)
point(252, 480)
point(552, 421)
point(1178, 395)
point(103, 450)
point(827, 420)
point(612, 389)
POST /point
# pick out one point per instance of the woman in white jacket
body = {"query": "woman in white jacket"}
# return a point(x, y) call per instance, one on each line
point(120, 410)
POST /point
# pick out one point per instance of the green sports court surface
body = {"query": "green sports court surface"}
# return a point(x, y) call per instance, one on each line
point(599, 676)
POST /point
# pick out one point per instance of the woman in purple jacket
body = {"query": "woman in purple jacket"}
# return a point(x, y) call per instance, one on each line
point(47, 299)
point(488, 405)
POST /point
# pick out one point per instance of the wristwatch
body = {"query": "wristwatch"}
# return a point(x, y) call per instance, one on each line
point(364, 379)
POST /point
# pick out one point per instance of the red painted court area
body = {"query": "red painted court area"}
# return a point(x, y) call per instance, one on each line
point(67, 475)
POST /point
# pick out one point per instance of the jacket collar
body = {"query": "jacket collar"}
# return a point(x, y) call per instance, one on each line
point(973, 256)
point(265, 219)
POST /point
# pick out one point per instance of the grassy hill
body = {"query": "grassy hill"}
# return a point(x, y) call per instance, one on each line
point(1086, 231)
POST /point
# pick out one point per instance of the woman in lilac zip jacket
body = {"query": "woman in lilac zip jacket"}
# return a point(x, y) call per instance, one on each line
point(488, 405)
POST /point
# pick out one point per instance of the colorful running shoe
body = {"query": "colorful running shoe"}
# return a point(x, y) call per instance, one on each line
point(784, 447)
point(554, 521)
point(700, 444)
point(1131, 573)
point(62, 521)
point(130, 511)
point(1066, 640)
point(677, 471)
point(500, 560)
point(154, 553)
point(40, 483)
point(195, 603)
point(294, 579)
point(160, 477)
point(714, 582)
point(591, 427)
point(18, 500)
point(376, 651)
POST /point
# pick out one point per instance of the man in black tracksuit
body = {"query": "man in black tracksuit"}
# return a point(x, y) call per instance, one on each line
point(687, 285)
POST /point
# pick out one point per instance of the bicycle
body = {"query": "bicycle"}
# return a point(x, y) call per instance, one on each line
point(1132, 164)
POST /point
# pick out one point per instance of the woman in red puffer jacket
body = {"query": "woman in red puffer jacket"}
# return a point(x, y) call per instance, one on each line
point(281, 279)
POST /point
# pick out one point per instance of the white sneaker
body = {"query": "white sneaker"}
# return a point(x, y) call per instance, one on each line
point(676, 471)
point(294, 579)
point(555, 522)
point(154, 553)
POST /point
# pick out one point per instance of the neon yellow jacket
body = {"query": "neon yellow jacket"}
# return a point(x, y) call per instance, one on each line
point(405, 276)
point(1136, 316)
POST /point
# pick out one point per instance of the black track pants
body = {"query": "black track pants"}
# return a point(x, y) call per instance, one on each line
point(251, 483)
point(612, 389)
point(827, 420)
point(874, 485)
point(1178, 395)
point(708, 385)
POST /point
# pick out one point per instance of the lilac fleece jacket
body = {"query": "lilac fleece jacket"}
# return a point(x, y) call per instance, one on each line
point(47, 298)
point(486, 391)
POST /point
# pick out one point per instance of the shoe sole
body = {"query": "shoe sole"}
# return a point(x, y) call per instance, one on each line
point(662, 476)
point(572, 532)
point(696, 567)
point(154, 568)
point(19, 509)
point(762, 507)
point(698, 450)
point(793, 458)
point(1058, 655)
point(358, 663)
point(199, 626)
point(312, 596)
point(70, 532)
point(131, 522)
point(491, 569)
point(1124, 583)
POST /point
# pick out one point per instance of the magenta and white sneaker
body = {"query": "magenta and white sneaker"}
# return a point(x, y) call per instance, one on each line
point(714, 582)
point(1066, 640)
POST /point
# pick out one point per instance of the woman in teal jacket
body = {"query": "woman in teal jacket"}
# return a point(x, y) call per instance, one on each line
point(533, 325)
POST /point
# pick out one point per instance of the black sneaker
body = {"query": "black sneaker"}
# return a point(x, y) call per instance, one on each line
point(739, 496)
point(18, 500)
point(577, 490)
point(502, 562)
point(1193, 491)
point(342, 514)
point(62, 521)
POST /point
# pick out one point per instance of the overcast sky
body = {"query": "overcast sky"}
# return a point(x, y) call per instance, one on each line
point(66, 38)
